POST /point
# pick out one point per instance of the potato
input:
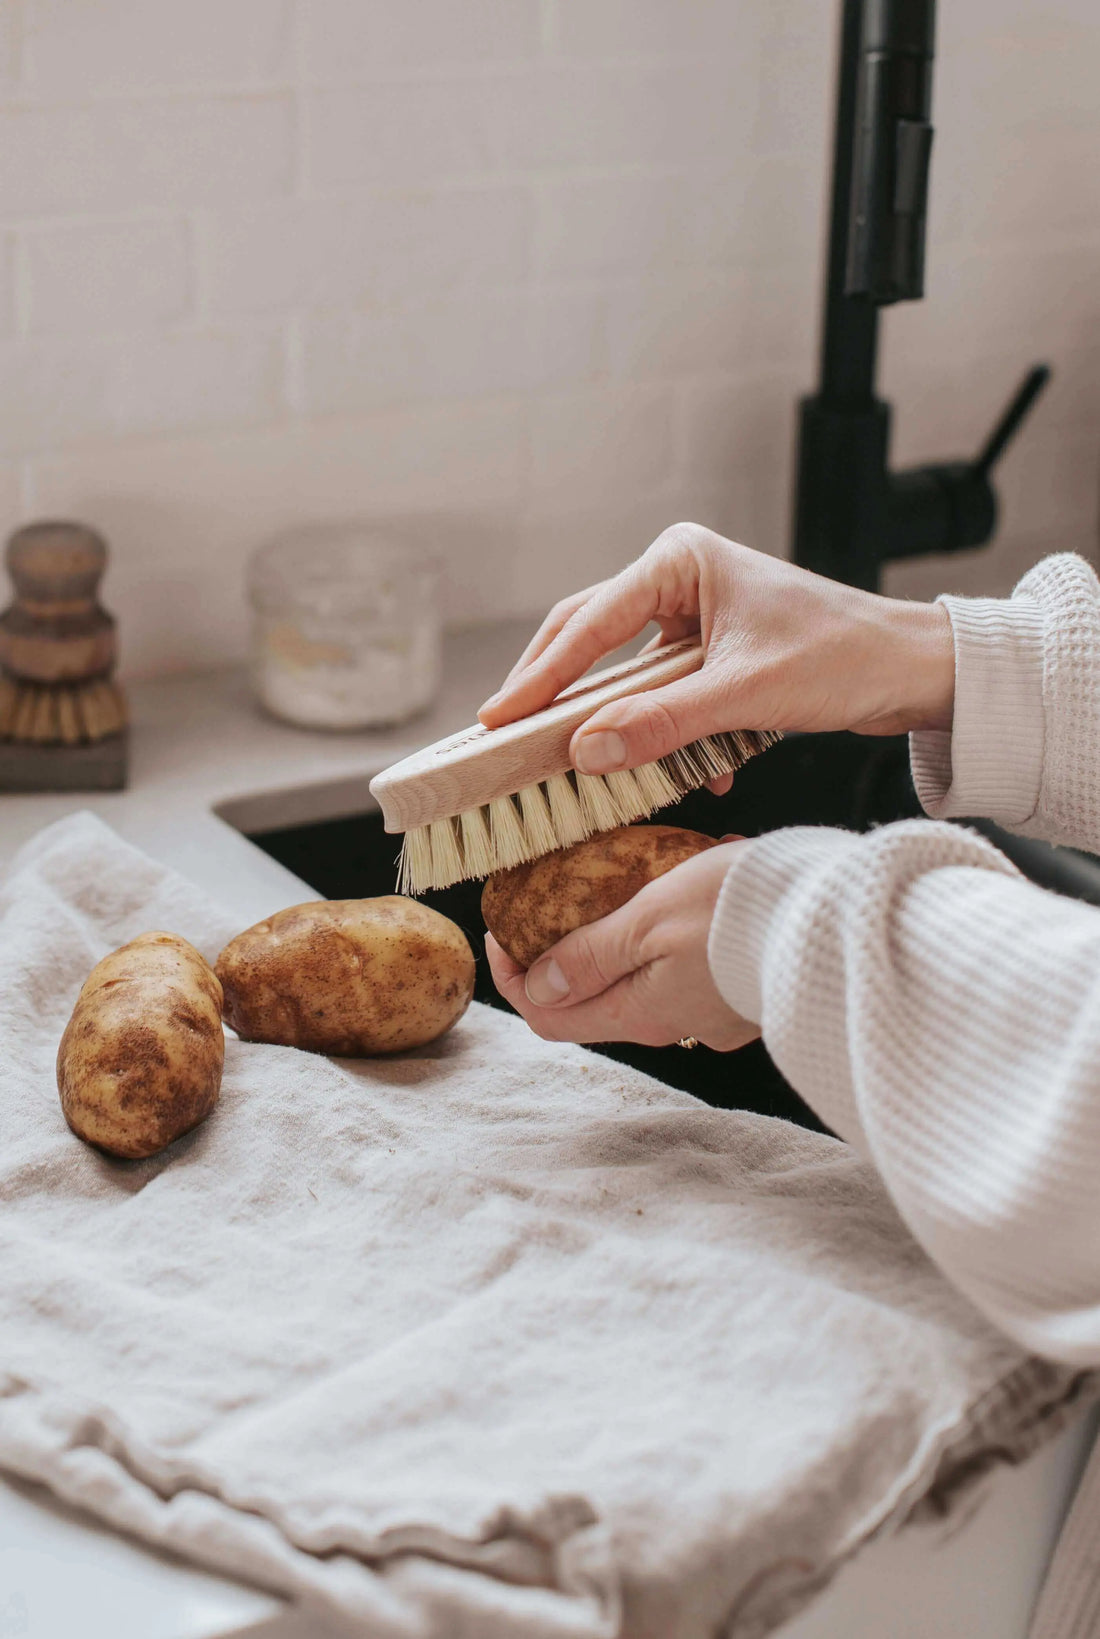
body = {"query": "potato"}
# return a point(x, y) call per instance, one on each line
point(531, 907)
point(141, 1059)
point(354, 977)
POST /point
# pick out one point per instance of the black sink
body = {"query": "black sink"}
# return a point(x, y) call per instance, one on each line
point(822, 779)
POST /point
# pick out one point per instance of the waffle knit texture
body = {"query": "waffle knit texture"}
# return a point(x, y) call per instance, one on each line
point(939, 1011)
point(942, 1013)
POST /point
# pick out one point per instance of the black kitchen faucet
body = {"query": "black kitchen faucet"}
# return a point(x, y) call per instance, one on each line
point(852, 513)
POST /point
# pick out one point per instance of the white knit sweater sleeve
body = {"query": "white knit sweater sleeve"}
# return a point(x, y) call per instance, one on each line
point(937, 1010)
point(1025, 743)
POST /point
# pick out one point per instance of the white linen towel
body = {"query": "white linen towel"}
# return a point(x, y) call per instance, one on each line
point(494, 1339)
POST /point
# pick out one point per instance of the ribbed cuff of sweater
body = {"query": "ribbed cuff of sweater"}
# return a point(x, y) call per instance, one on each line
point(991, 763)
point(767, 924)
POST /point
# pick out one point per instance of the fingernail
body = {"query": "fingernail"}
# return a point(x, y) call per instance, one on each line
point(546, 984)
point(492, 700)
point(601, 753)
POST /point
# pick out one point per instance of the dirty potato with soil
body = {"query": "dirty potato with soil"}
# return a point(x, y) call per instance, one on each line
point(530, 907)
point(353, 977)
point(140, 1062)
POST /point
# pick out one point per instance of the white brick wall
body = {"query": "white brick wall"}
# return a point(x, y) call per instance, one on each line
point(93, 278)
point(10, 33)
point(377, 251)
point(353, 39)
point(182, 514)
point(124, 155)
point(77, 46)
point(60, 393)
point(7, 284)
point(527, 279)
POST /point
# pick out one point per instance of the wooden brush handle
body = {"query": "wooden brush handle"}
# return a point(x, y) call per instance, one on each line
point(55, 630)
point(473, 767)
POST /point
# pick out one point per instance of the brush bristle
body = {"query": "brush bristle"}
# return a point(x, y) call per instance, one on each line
point(447, 858)
point(477, 844)
point(506, 831)
point(538, 826)
point(563, 810)
point(414, 868)
point(598, 808)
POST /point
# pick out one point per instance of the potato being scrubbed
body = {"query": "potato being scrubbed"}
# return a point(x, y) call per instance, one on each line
point(141, 1059)
point(353, 977)
point(531, 907)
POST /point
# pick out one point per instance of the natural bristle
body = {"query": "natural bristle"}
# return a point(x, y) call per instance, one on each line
point(538, 826)
point(656, 786)
point(598, 808)
point(477, 844)
point(565, 811)
point(561, 811)
point(61, 714)
point(509, 844)
point(414, 867)
point(447, 861)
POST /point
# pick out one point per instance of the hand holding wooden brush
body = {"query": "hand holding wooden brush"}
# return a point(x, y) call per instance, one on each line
point(487, 799)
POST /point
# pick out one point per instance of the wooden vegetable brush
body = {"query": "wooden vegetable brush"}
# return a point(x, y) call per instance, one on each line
point(487, 799)
point(62, 716)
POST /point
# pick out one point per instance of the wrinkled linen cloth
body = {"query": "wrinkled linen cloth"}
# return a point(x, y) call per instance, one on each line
point(493, 1339)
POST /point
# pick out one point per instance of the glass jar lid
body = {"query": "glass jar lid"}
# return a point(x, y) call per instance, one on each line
point(341, 571)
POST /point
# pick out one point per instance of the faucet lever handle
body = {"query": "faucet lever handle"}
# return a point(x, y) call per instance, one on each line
point(1009, 424)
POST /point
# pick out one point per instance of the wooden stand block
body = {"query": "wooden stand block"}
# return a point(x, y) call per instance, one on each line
point(101, 766)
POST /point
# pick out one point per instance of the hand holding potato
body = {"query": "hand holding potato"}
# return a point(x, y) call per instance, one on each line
point(140, 1062)
point(640, 974)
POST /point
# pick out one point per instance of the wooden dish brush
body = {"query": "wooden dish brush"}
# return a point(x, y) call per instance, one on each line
point(58, 697)
point(484, 800)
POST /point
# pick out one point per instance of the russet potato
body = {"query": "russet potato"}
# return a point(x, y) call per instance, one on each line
point(140, 1062)
point(353, 977)
point(530, 907)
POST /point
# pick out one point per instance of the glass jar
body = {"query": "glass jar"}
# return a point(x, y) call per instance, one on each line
point(345, 628)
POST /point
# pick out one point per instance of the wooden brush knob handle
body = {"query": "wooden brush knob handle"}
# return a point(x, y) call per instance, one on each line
point(55, 630)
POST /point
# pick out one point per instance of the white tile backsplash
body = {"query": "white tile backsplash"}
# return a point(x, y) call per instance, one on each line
point(181, 514)
point(466, 347)
point(360, 39)
point(528, 279)
point(11, 46)
point(610, 29)
point(111, 46)
point(9, 488)
point(418, 133)
point(7, 284)
point(88, 278)
point(585, 443)
point(611, 225)
point(52, 396)
point(72, 160)
point(380, 251)
point(58, 394)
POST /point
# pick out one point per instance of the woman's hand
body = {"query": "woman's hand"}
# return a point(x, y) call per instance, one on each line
point(785, 649)
point(640, 974)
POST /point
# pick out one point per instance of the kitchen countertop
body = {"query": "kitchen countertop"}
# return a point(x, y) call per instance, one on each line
point(206, 767)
